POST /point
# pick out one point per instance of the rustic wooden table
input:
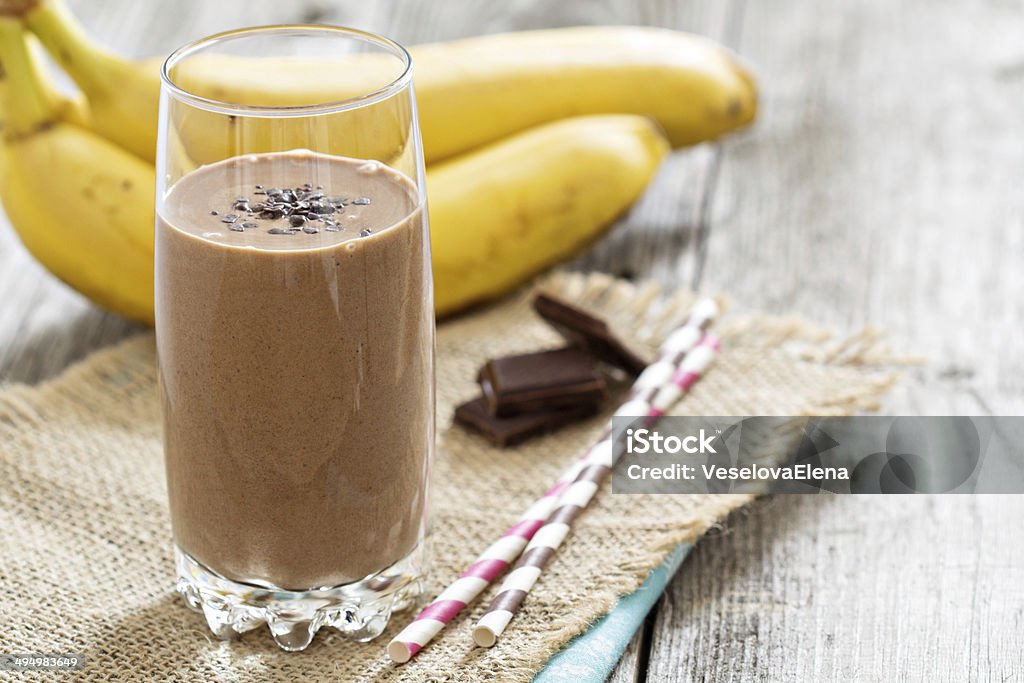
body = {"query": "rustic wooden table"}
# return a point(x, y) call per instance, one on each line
point(880, 186)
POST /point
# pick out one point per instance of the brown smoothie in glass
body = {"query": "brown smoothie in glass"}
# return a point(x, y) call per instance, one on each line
point(294, 313)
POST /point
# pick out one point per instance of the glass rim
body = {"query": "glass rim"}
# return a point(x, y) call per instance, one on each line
point(331, 106)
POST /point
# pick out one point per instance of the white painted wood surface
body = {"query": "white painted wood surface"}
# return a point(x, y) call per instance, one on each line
point(879, 187)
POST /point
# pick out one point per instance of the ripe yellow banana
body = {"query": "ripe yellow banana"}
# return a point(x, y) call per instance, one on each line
point(72, 109)
point(509, 210)
point(477, 90)
point(499, 214)
point(81, 205)
point(471, 92)
point(123, 95)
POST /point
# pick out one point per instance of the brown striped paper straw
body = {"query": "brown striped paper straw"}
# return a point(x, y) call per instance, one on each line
point(549, 537)
point(500, 554)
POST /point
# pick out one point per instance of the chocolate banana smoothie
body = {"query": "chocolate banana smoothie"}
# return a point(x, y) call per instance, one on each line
point(295, 326)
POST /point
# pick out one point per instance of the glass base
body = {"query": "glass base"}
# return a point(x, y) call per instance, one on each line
point(359, 610)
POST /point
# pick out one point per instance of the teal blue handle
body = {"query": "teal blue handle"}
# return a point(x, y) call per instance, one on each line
point(591, 656)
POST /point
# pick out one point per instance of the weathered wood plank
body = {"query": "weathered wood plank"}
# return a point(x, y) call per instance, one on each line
point(879, 187)
point(872, 191)
point(872, 588)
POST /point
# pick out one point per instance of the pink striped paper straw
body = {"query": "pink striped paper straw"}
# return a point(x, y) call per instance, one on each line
point(500, 554)
point(576, 497)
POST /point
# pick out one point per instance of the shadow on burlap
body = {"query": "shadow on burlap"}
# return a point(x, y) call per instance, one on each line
point(87, 567)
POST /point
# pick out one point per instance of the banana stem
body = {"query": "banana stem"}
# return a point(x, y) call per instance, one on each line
point(88, 64)
point(15, 8)
point(25, 103)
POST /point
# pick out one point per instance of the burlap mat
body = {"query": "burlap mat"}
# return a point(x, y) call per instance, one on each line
point(86, 564)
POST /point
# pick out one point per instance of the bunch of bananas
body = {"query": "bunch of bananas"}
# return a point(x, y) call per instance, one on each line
point(535, 141)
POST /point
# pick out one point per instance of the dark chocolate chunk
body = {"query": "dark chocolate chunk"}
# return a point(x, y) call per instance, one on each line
point(545, 380)
point(230, 218)
point(248, 225)
point(506, 431)
point(311, 230)
point(588, 332)
point(361, 201)
point(237, 228)
point(297, 221)
point(365, 232)
point(280, 231)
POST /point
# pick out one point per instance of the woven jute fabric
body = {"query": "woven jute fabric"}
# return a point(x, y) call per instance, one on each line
point(86, 562)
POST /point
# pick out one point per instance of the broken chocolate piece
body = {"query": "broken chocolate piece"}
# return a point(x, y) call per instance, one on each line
point(545, 380)
point(507, 431)
point(588, 332)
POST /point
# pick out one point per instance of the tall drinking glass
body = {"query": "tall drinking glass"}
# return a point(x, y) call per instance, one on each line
point(295, 329)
